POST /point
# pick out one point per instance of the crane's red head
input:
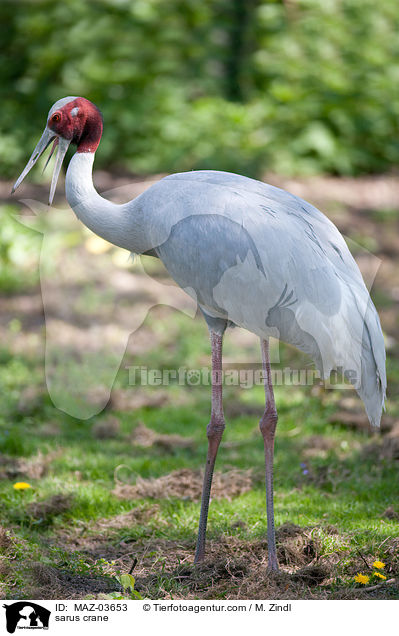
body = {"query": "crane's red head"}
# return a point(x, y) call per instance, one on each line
point(77, 120)
point(70, 120)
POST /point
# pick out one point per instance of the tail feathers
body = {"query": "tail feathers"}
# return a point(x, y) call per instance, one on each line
point(373, 385)
point(358, 345)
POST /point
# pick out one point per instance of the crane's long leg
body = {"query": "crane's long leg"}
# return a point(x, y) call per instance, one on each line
point(267, 426)
point(214, 433)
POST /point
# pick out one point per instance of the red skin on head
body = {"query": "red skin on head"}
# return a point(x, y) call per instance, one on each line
point(84, 128)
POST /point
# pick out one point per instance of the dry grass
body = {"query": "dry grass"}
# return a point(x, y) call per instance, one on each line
point(138, 515)
point(49, 508)
point(237, 569)
point(34, 467)
point(146, 437)
point(6, 541)
point(49, 582)
point(187, 484)
point(390, 513)
point(8, 560)
point(234, 568)
point(132, 399)
point(107, 429)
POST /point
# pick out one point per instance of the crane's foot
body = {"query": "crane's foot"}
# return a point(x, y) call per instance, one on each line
point(199, 558)
point(272, 565)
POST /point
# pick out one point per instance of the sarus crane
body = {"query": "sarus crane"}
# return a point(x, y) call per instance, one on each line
point(251, 255)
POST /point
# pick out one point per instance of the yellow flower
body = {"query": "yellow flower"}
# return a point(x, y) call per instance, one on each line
point(21, 485)
point(361, 578)
point(379, 565)
point(380, 576)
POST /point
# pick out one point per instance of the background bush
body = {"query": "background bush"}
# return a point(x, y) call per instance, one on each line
point(245, 85)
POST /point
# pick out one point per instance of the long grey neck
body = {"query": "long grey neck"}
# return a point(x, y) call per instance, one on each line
point(121, 225)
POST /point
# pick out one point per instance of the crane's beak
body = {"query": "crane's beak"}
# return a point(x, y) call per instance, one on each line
point(62, 146)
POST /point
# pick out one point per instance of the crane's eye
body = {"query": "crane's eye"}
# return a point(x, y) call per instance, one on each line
point(56, 118)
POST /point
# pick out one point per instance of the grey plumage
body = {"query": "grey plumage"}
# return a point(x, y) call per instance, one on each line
point(235, 244)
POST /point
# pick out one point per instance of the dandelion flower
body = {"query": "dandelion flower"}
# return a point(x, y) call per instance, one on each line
point(379, 565)
point(361, 578)
point(380, 576)
point(21, 485)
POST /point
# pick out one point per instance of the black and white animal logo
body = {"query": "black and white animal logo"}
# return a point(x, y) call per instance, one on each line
point(26, 615)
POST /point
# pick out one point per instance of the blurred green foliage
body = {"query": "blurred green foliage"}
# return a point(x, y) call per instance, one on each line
point(294, 86)
point(19, 250)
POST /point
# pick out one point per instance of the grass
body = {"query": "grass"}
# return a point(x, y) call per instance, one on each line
point(81, 526)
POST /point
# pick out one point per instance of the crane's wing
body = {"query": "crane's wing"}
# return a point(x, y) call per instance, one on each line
point(270, 262)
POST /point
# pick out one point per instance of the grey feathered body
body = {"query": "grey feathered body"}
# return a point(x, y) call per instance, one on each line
point(254, 256)
point(260, 258)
